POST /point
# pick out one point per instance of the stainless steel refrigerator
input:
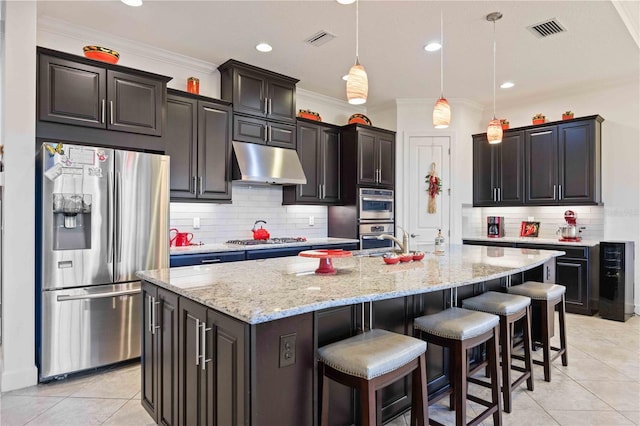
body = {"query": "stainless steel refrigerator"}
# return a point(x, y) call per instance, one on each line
point(103, 215)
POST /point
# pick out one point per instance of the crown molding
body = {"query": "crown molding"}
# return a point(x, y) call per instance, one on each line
point(630, 17)
point(47, 24)
point(324, 98)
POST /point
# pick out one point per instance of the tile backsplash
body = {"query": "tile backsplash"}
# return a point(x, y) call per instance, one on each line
point(223, 222)
point(591, 218)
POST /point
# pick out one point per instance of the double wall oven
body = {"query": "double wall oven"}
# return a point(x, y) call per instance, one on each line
point(376, 215)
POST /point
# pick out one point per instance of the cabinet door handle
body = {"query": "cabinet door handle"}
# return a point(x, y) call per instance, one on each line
point(494, 195)
point(499, 194)
point(269, 109)
point(203, 336)
point(111, 112)
point(266, 131)
point(541, 133)
point(195, 185)
point(554, 192)
point(201, 185)
point(197, 341)
point(103, 110)
point(559, 192)
point(154, 315)
point(265, 105)
point(270, 129)
point(210, 261)
point(149, 316)
point(320, 191)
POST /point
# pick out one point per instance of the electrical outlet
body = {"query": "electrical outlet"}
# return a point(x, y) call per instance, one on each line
point(312, 220)
point(287, 350)
point(196, 223)
point(530, 218)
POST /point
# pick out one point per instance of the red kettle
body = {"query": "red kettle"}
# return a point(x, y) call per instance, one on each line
point(260, 234)
point(180, 239)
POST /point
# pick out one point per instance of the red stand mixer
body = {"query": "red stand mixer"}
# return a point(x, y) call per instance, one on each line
point(569, 232)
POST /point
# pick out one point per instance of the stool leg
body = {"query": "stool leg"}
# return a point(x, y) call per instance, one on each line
point(459, 382)
point(367, 404)
point(492, 349)
point(563, 335)
point(419, 404)
point(546, 344)
point(506, 363)
point(528, 362)
point(324, 396)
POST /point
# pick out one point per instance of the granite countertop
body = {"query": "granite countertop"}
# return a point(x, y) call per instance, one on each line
point(216, 248)
point(257, 291)
point(536, 240)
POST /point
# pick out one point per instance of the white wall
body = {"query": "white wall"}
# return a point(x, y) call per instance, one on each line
point(18, 134)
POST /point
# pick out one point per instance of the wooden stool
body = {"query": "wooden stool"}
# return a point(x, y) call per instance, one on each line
point(549, 297)
point(510, 308)
point(369, 362)
point(459, 330)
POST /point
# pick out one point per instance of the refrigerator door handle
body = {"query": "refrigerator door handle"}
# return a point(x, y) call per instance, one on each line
point(118, 211)
point(110, 206)
point(66, 298)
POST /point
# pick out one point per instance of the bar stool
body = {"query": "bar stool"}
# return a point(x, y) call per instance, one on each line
point(459, 330)
point(549, 298)
point(510, 308)
point(370, 361)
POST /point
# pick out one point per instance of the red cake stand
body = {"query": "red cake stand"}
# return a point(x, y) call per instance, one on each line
point(325, 256)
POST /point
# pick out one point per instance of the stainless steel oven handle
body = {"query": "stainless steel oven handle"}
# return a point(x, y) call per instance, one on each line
point(369, 237)
point(66, 297)
point(377, 199)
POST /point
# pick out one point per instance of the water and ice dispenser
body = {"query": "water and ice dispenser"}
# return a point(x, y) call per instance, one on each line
point(71, 221)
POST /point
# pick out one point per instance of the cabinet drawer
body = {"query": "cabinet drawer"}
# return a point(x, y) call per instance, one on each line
point(246, 129)
point(347, 246)
point(275, 252)
point(205, 259)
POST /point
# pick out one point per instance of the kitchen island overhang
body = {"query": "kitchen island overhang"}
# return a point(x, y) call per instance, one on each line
point(266, 290)
point(239, 340)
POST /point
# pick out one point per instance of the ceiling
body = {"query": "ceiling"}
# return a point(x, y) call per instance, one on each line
point(596, 49)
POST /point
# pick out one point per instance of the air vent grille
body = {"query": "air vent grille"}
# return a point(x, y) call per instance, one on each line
point(320, 38)
point(547, 28)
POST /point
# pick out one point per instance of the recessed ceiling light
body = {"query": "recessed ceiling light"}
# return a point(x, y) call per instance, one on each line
point(433, 46)
point(507, 85)
point(346, 1)
point(134, 3)
point(345, 77)
point(264, 47)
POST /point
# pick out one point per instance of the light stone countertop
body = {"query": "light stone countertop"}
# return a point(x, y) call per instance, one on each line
point(536, 240)
point(216, 248)
point(257, 291)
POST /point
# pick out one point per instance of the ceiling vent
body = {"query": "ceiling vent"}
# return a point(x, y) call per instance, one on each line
point(320, 38)
point(547, 28)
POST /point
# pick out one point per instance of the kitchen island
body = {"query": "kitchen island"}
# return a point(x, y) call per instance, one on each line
point(235, 343)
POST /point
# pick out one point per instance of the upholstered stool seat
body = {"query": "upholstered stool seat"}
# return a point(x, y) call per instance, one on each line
point(510, 308)
point(369, 362)
point(459, 330)
point(547, 298)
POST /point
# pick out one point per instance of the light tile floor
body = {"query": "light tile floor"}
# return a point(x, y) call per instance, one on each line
point(601, 386)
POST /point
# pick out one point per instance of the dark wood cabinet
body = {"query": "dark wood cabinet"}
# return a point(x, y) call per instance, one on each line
point(368, 159)
point(73, 90)
point(498, 170)
point(320, 152)
point(562, 163)
point(264, 104)
point(198, 140)
point(159, 357)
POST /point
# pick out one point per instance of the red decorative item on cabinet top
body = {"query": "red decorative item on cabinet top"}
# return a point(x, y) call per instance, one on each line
point(101, 54)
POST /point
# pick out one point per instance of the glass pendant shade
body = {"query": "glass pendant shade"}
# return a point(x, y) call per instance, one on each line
point(441, 114)
point(494, 131)
point(357, 85)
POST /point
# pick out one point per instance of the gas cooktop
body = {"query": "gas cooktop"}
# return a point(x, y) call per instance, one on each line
point(282, 240)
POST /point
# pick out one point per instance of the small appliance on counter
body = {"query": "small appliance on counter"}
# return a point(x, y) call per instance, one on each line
point(570, 231)
point(495, 226)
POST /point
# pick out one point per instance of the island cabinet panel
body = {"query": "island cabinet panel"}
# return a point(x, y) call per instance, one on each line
point(160, 354)
point(198, 140)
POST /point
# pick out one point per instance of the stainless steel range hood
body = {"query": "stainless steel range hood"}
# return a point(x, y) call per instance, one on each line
point(255, 163)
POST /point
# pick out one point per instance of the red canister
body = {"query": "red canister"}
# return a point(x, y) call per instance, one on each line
point(193, 85)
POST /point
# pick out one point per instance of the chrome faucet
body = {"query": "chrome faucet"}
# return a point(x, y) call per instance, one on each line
point(404, 245)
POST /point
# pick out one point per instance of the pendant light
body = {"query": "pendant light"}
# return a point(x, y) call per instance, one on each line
point(441, 110)
point(494, 130)
point(357, 82)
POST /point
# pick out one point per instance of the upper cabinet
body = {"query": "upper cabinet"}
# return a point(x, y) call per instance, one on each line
point(498, 170)
point(264, 104)
point(551, 164)
point(78, 91)
point(319, 152)
point(198, 139)
point(368, 159)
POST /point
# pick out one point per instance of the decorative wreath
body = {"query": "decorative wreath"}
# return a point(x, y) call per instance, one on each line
point(434, 187)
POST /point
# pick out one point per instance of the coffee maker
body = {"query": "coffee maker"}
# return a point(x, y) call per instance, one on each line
point(495, 226)
point(570, 231)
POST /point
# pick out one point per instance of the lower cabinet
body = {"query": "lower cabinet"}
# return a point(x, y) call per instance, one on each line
point(160, 354)
point(205, 258)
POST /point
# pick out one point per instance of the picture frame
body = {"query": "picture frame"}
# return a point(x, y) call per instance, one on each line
point(529, 229)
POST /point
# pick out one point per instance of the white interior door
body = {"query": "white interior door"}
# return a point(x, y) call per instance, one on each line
point(422, 152)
